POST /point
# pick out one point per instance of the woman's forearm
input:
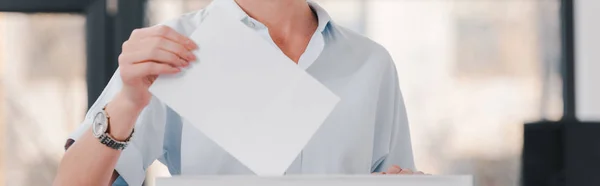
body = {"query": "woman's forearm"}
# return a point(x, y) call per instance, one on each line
point(89, 162)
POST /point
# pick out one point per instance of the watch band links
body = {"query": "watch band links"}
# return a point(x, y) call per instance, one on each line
point(107, 140)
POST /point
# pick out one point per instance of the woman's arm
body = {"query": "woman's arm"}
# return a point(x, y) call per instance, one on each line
point(392, 145)
point(148, 53)
point(93, 158)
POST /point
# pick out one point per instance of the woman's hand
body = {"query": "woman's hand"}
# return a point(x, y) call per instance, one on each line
point(395, 169)
point(150, 52)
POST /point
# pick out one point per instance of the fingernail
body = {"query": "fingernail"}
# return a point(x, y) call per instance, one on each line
point(191, 44)
point(191, 56)
point(183, 62)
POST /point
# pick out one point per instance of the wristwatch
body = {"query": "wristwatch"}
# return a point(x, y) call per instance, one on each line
point(100, 128)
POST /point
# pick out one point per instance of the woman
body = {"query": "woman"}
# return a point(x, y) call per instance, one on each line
point(366, 133)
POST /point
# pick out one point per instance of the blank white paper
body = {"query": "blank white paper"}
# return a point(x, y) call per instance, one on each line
point(247, 96)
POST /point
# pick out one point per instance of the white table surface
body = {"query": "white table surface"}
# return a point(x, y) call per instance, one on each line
point(341, 180)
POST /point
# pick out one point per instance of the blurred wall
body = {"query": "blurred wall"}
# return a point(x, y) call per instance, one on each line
point(587, 54)
point(43, 92)
point(472, 72)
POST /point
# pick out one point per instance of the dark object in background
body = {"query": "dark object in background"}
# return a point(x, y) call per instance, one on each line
point(565, 153)
point(542, 163)
point(582, 153)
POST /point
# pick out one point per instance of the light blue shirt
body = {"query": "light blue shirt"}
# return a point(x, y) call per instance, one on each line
point(367, 131)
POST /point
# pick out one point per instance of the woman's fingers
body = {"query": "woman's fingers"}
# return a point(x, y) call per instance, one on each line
point(167, 45)
point(154, 55)
point(406, 171)
point(157, 49)
point(158, 44)
point(153, 68)
point(164, 32)
point(394, 169)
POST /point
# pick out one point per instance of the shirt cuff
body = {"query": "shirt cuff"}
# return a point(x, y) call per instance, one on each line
point(131, 167)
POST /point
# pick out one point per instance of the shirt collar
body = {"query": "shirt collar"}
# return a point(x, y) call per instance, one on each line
point(322, 15)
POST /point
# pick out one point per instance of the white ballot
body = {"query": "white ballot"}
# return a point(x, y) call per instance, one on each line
point(247, 96)
point(362, 180)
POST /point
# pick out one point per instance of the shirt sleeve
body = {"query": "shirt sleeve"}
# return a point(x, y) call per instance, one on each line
point(147, 141)
point(392, 132)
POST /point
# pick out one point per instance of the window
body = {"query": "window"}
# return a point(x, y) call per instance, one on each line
point(472, 73)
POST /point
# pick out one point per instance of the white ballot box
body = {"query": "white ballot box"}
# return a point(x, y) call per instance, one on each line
point(303, 180)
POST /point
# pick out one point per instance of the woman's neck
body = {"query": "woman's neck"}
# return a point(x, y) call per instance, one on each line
point(283, 17)
point(291, 23)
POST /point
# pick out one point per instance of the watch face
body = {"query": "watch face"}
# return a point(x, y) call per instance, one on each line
point(100, 124)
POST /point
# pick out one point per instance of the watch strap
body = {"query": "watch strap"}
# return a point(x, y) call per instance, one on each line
point(109, 141)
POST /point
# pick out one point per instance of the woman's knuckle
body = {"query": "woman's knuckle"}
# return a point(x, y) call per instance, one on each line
point(162, 30)
point(135, 32)
point(125, 45)
point(121, 58)
point(173, 57)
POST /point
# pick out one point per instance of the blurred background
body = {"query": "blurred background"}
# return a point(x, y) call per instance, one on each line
point(472, 72)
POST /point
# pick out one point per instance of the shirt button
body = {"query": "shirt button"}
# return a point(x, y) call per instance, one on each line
point(251, 24)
